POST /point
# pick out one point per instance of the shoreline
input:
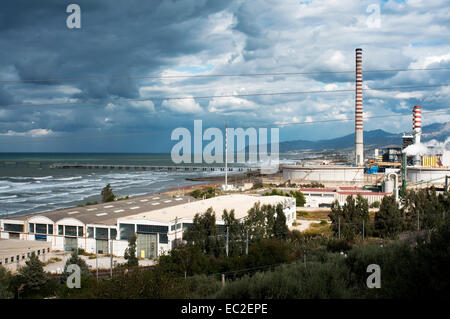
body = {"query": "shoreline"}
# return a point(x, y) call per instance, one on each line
point(204, 181)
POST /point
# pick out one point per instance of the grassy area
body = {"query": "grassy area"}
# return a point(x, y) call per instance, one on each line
point(51, 261)
point(319, 229)
point(318, 214)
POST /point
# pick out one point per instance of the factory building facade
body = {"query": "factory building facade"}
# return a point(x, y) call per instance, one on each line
point(324, 197)
point(158, 222)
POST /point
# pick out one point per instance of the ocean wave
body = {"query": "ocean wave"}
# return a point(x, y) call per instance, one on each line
point(8, 197)
point(68, 178)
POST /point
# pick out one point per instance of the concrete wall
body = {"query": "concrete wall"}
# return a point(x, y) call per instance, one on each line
point(425, 174)
point(323, 173)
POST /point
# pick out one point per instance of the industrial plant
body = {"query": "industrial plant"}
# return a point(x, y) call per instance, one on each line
point(413, 165)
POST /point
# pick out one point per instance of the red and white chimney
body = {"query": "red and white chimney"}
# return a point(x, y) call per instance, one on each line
point(359, 146)
point(417, 132)
point(417, 123)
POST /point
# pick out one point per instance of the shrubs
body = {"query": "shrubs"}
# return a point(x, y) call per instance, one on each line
point(315, 280)
point(107, 194)
point(298, 195)
point(338, 245)
point(207, 192)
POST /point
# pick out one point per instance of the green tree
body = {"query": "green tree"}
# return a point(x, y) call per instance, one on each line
point(33, 278)
point(130, 252)
point(389, 219)
point(300, 199)
point(107, 194)
point(280, 229)
point(5, 277)
point(203, 232)
point(75, 260)
point(235, 232)
point(350, 217)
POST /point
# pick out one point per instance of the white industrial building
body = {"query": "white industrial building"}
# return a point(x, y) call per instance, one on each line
point(320, 197)
point(323, 173)
point(157, 220)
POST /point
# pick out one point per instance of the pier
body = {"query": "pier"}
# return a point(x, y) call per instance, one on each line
point(167, 168)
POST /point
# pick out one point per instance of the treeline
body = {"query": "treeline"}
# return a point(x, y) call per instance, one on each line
point(261, 258)
point(417, 210)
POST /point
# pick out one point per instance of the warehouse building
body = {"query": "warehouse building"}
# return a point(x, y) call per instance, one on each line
point(158, 221)
point(14, 253)
point(324, 197)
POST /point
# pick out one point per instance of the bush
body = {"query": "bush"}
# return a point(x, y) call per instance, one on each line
point(338, 245)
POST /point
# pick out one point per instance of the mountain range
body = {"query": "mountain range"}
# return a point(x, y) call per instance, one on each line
point(372, 139)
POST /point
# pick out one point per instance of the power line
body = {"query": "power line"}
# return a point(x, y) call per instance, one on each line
point(215, 75)
point(219, 96)
point(55, 139)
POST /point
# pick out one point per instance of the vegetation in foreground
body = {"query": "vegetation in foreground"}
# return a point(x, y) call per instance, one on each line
point(280, 263)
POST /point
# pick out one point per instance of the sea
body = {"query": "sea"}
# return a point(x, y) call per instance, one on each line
point(27, 187)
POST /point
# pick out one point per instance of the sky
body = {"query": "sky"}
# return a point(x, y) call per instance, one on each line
point(130, 50)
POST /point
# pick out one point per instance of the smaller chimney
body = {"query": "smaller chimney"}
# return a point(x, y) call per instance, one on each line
point(417, 131)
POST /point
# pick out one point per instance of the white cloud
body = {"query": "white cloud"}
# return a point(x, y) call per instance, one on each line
point(31, 133)
point(182, 106)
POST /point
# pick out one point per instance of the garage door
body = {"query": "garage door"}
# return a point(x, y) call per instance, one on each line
point(102, 246)
point(146, 245)
point(70, 243)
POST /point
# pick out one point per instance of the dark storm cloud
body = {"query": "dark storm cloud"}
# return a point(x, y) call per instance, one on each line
point(120, 39)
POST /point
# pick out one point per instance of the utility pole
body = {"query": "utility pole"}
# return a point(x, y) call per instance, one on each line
point(112, 250)
point(227, 241)
point(246, 244)
point(339, 227)
point(226, 157)
point(363, 230)
point(96, 259)
point(418, 220)
point(223, 280)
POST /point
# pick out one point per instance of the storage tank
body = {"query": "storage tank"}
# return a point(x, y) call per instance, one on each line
point(388, 185)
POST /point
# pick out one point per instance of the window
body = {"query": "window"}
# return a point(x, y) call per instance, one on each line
point(90, 232)
point(12, 259)
point(48, 250)
point(70, 230)
point(17, 258)
point(163, 239)
point(41, 229)
point(126, 231)
point(23, 257)
point(80, 231)
point(101, 233)
point(172, 227)
point(113, 233)
point(60, 230)
point(6, 260)
point(50, 229)
point(31, 228)
point(178, 226)
point(186, 226)
point(152, 229)
point(13, 228)
point(39, 252)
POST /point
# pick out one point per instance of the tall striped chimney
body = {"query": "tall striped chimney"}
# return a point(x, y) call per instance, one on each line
point(417, 130)
point(417, 123)
point(359, 146)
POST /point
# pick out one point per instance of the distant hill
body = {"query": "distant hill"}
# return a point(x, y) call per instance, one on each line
point(376, 139)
